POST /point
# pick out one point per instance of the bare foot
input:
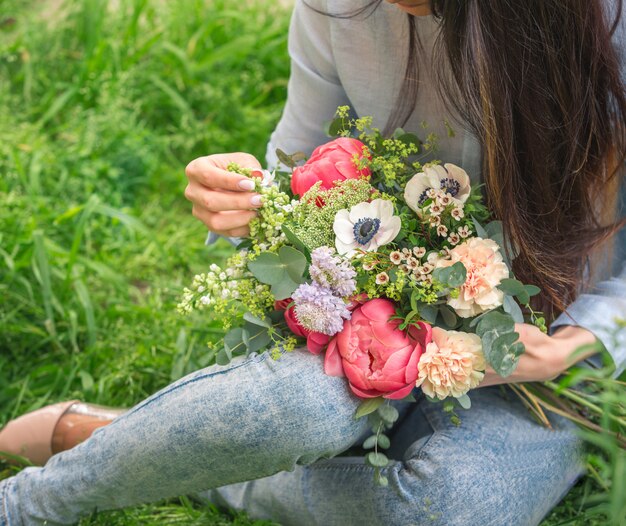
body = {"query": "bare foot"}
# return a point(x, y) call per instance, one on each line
point(79, 422)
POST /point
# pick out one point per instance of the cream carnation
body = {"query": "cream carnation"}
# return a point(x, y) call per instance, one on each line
point(485, 270)
point(452, 364)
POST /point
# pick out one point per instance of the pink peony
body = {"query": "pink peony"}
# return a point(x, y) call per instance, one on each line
point(331, 162)
point(485, 270)
point(377, 358)
point(316, 342)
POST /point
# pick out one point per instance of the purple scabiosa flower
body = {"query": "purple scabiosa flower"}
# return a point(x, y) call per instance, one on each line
point(332, 272)
point(318, 309)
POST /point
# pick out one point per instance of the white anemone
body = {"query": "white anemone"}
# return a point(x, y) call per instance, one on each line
point(366, 226)
point(448, 178)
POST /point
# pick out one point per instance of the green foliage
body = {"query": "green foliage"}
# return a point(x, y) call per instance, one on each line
point(500, 341)
point(313, 225)
point(283, 271)
point(103, 104)
point(452, 276)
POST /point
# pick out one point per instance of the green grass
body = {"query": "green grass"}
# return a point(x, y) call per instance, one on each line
point(102, 107)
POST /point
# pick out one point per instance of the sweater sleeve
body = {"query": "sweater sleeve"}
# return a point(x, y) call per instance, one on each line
point(314, 90)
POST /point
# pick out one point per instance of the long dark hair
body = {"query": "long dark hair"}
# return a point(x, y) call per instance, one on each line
point(538, 82)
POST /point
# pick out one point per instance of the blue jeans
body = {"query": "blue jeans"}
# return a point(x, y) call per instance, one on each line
point(259, 434)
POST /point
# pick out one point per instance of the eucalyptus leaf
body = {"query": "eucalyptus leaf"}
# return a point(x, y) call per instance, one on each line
point(502, 351)
point(258, 337)
point(511, 307)
point(335, 127)
point(377, 460)
point(295, 241)
point(480, 231)
point(429, 313)
point(294, 261)
point(410, 138)
point(267, 268)
point(495, 320)
point(222, 357)
point(383, 441)
point(464, 401)
point(388, 413)
point(368, 406)
point(284, 158)
point(265, 322)
point(370, 442)
point(233, 341)
point(298, 156)
point(448, 316)
point(532, 290)
point(453, 276)
point(284, 289)
point(511, 286)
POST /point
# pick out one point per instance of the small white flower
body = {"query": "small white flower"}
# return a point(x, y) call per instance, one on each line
point(230, 272)
point(365, 226)
point(235, 294)
point(419, 252)
point(382, 278)
point(442, 231)
point(434, 221)
point(436, 209)
point(222, 276)
point(201, 289)
point(205, 300)
point(396, 257)
point(214, 268)
point(458, 213)
point(444, 199)
point(268, 178)
point(412, 263)
point(454, 239)
point(426, 268)
point(464, 231)
point(432, 257)
point(450, 178)
point(225, 293)
point(369, 265)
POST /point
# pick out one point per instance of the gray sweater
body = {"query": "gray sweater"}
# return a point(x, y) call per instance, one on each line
point(360, 62)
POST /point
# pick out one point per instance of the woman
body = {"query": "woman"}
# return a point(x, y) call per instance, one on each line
point(537, 86)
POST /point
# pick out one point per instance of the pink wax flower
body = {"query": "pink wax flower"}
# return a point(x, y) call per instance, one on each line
point(331, 162)
point(377, 358)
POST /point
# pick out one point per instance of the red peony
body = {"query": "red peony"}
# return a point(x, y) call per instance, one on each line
point(329, 163)
point(377, 358)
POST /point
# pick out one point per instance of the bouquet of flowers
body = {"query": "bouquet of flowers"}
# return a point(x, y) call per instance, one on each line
point(388, 268)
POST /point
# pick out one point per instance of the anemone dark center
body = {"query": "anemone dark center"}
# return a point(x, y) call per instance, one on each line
point(450, 186)
point(365, 229)
point(423, 196)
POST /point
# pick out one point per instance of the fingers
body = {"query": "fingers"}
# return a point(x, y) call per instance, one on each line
point(211, 172)
point(229, 223)
point(219, 201)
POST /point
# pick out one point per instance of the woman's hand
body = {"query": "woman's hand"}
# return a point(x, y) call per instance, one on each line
point(546, 357)
point(223, 200)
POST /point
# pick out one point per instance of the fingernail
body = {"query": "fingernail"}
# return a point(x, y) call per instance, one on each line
point(257, 173)
point(256, 200)
point(246, 184)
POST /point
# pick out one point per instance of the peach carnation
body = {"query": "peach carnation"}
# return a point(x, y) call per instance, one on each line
point(452, 364)
point(485, 270)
